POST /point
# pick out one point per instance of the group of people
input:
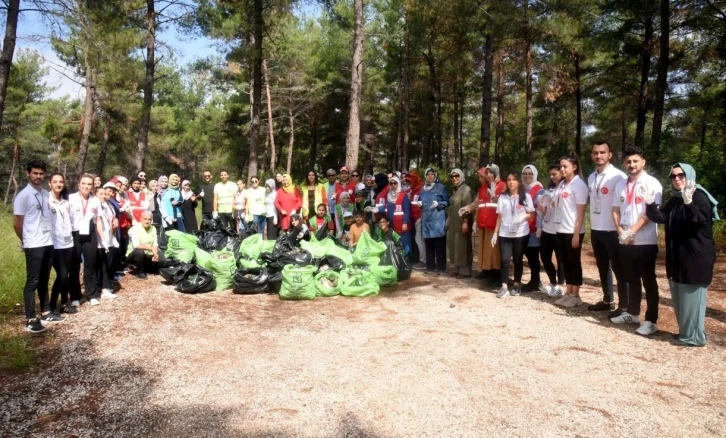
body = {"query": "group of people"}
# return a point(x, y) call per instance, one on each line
point(510, 216)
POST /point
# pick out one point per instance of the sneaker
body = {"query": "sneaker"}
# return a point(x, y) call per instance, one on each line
point(503, 292)
point(76, 303)
point(646, 328)
point(107, 295)
point(142, 276)
point(545, 289)
point(574, 301)
point(441, 274)
point(601, 306)
point(427, 272)
point(51, 318)
point(34, 326)
point(94, 302)
point(420, 266)
point(625, 318)
point(563, 300)
point(69, 309)
point(516, 291)
point(556, 291)
point(616, 312)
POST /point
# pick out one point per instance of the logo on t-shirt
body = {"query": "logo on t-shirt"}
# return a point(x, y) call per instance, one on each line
point(638, 200)
point(604, 190)
point(565, 195)
point(519, 207)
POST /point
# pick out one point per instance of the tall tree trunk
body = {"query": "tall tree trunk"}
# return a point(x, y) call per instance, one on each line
point(406, 104)
point(704, 130)
point(486, 99)
point(6, 57)
point(623, 130)
point(461, 126)
point(578, 101)
point(454, 151)
point(661, 83)
point(104, 144)
point(291, 143)
point(500, 109)
point(528, 83)
point(12, 182)
point(645, 54)
point(142, 135)
point(314, 143)
point(352, 141)
point(87, 117)
point(431, 147)
point(270, 128)
point(256, 90)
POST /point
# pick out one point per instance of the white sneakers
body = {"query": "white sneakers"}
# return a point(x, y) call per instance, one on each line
point(569, 301)
point(625, 318)
point(646, 328)
point(107, 295)
point(75, 303)
point(94, 302)
point(555, 291)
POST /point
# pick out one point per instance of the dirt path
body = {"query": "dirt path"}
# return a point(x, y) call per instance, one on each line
point(434, 358)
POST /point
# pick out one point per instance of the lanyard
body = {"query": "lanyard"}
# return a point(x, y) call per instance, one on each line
point(630, 193)
point(512, 204)
point(40, 202)
point(84, 205)
point(598, 185)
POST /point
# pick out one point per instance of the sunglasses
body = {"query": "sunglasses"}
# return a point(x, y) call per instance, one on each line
point(332, 175)
point(355, 175)
point(142, 175)
point(675, 176)
point(393, 183)
point(254, 181)
point(454, 176)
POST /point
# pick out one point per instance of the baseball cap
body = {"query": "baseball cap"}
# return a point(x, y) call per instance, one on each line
point(123, 179)
point(347, 214)
point(344, 169)
point(110, 185)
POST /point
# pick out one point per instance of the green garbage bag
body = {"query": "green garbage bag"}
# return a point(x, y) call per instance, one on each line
point(357, 283)
point(298, 283)
point(384, 275)
point(327, 284)
point(203, 258)
point(367, 251)
point(251, 247)
point(335, 250)
point(317, 248)
point(223, 265)
point(249, 264)
point(180, 246)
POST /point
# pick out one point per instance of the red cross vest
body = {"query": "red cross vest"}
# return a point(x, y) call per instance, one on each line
point(138, 204)
point(486, 212)
point(398, 213)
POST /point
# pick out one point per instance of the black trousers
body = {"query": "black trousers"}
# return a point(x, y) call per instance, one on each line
point(272, 230)
point(226, 220)
point(532, 254)
point(436, 254)
point(547, 246)
point(639, 265)
point(142, 261)
point(62, 259)
point(512, 248)
point(571, 258)
point(37, 275)
point(106, 271)
point(606, 247)
point(85, 248)
point(207, 215)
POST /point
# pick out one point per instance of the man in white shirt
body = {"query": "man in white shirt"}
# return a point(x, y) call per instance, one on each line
point(32, 224)
point(638, 238)
point(603, 236)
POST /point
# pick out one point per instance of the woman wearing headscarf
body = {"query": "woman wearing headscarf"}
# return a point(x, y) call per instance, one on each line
point(188, 207)
point(433, 201)
point(416, 184)
point(534, 188)
point(288, 201)
point(690, 250)
point(458, 228)
point(171, 205)
point(271, 216)
point(398, 211)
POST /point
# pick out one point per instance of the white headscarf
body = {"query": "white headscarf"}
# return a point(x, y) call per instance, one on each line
point(462, 180)
point(535, 183)
point(393, 195)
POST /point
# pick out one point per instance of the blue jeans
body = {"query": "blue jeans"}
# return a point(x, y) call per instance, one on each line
point(260, 221)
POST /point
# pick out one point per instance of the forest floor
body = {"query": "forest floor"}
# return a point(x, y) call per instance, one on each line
point(433, 357)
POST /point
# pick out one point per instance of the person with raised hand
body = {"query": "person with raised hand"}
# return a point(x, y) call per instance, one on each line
point(459, 227)
point(171, 205)
point(690, 250)
point(548, 236)
point(569, 217)
point(433, 202)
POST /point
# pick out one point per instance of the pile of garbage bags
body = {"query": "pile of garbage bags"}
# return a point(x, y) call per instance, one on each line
point(216, 259)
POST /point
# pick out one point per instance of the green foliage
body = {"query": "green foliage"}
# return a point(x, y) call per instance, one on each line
point(12, 280)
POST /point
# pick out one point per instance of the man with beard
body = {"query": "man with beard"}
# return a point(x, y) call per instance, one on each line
point(345, 184)
point(206, 192)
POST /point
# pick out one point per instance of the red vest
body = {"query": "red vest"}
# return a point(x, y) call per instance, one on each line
point(415, 209)
point(533, 219)
point(138, 206)
point(486, 213)
point(398, 213)
point(350, 188)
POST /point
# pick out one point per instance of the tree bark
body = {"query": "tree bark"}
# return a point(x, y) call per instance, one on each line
point(104, 144)
point(6, 57)
point(661, 84)
point(271, 132)
point(406, 104)
point(87, 117)
point(500, 109)
point(486, 106)
point(314, 143)
point(454, 151)
point(142, 135)
point(645, 54)
point(256, 89)
point(352, 142)
point(291, 143)
point(12, 182)
point(528, 83)
point(578, 100)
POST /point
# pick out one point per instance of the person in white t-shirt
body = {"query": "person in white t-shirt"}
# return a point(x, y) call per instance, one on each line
point(84, 212)
point(32, 224)
point(514, 209)
point(569, 217)
point(548, 237)
point(638, 241)
point(62, 235)
point(603, 233)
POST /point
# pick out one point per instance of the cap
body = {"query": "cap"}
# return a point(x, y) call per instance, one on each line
point(360, 186)
point(110, 185)
point(123, 179)
point(344, 169)
point(347, 214)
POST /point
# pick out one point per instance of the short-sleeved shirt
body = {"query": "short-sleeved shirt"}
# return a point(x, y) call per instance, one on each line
point(568, 196)
point(83, 213)
point(106, 215)
point(226, 193)
point(508, 208)
point(602, 197)
point(548, 224)
point(632, 207)
point(138, 235)
point(62, 230)
point(32, 204)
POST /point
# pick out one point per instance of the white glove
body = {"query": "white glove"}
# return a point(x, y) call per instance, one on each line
point(648, 196)
point(201, 193)
point(368, 209)
point(463, 211)
point(518, 219)
point(688, 191)
point(492, 189)
point(169, 221)
point(494, 240)
point(625, 237)
point(434, 205)
point(292, 212)
point(418, 203)
point(538, 233)
point(215, 215)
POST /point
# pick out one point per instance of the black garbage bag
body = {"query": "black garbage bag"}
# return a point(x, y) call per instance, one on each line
point(394, 256)
point(249, 230)
point(284, 244)
point(168, 263)
point(214, 241)
point(197, 281)
point(210, 225)
point(251, 281)
point(274, 282)
point(232, 245)
point(275, 262)
point(174, 274)
point(329, 262)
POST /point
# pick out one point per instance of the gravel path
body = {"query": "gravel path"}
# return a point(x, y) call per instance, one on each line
point(435, 357)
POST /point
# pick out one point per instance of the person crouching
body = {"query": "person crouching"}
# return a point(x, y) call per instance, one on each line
point(143, 251)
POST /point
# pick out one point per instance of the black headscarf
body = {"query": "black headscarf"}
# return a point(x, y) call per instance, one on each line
point(381, 183)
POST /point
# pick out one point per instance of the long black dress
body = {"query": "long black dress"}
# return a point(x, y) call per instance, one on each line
point(190, 216)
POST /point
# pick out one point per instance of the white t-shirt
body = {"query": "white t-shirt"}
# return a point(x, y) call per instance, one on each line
point(602, 197)
point(33, 206)
point(106, 215)
point(548, 224)
point(61, 231)
point(568, 197)
point(83, 212)
point(508, 207)
point(632, 207)
point(255, 201)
